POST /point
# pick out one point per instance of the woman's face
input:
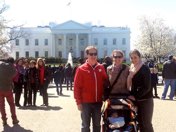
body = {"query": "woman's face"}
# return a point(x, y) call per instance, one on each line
point(135, 59)
point(40, 62)
point(117, 58)
point(20, 62)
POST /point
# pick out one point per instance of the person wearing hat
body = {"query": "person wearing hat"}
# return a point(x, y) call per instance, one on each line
point(169, 77)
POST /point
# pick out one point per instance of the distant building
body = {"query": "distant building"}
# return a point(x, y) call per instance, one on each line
point(59, 40)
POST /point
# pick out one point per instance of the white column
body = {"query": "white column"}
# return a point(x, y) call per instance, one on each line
point(53, 47)
point(77, 46)
point(64, 47)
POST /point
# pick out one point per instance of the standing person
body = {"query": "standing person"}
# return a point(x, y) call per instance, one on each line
point(169, 77)
point(7, 71)
point(44, 80)
point(140, 81)
point(18, 81)
point(120, 86)
point(107, 62)
point(88, 90)
point(68, 75)
point(154, 81)
point(32, 76)
point(25, 81)
point(58, 79)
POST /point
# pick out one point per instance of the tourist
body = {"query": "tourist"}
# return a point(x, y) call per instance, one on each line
point(140, 81)
point(88, 90)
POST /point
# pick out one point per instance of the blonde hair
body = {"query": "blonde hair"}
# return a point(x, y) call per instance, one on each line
point(37, 65)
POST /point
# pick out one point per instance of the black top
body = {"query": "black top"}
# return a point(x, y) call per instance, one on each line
point(169, 70)
point(141, 84)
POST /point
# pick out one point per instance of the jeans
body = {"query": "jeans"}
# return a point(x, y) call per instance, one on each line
point(91, 110)
point(9, 97)
point(145, 113)
point(69, 81)
point(172, 83)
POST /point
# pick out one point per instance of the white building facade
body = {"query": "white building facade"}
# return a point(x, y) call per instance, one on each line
point(59, 40)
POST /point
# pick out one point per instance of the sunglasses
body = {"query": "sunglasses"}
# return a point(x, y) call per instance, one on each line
point(92, 54)
point(115, 56)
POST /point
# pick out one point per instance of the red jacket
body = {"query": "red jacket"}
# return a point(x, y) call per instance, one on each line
point(88, 83)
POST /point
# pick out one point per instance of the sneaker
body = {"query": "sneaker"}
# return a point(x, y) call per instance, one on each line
point(15, 121)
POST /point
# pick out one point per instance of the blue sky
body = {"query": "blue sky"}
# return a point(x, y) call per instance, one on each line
point(32, 13)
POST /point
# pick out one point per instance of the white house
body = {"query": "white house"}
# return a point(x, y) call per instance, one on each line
point(70, 36)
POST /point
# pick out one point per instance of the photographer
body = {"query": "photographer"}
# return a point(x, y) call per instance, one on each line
point(7, 71)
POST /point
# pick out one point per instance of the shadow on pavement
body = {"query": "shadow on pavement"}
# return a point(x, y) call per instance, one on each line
point(41, 108)
point(15, 128)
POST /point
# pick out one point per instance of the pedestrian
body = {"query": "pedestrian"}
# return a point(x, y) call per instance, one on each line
point(68, 75)
point(7, 71)
point(140, 81)
point(18, 81)
point(25, 81)
point(169, 77)
point(58, 79)
point(44, 80)
point(154, 82)
point(88, 90)
point(33, 78)
point(107, 62)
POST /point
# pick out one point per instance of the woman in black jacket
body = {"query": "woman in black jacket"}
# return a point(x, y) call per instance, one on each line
point(140, 81)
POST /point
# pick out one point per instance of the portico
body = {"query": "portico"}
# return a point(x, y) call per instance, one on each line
point(73, 39)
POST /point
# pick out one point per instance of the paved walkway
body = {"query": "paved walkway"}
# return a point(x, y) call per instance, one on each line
point(62, 115)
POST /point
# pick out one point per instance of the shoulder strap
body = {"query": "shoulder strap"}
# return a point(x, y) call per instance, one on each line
point(111, 87)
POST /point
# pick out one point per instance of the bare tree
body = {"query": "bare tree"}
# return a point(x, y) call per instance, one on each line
point(7, 34)
point(156, 39)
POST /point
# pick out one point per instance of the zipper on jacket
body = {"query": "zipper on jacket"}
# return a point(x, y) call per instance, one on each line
point(95, 85)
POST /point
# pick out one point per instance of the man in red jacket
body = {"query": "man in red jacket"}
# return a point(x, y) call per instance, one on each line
point(88, 90)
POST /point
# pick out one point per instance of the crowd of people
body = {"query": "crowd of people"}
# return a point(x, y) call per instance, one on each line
point(93, 83)
point(29, 77)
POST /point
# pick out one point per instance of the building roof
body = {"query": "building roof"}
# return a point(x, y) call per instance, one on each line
point(70, 25)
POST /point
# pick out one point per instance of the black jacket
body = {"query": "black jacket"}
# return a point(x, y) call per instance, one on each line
point(141, 84)
point(169, 70)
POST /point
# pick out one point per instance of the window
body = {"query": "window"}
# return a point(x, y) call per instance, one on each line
point(95, 41)
point(46, 54)
point(114, 41)
point(46, 41)
point(60, 41)
point(36, 54)
point(27, 42)
point(36, 42)
point(17, 55)
point(105, 41)
point(27, 54)
point(82, 41)
point(71, 41)
point(17, 42)
point(60, 54)
point(124, 41)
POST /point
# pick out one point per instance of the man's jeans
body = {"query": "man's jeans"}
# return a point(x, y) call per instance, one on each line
point(172, 83)
point(91, 110)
